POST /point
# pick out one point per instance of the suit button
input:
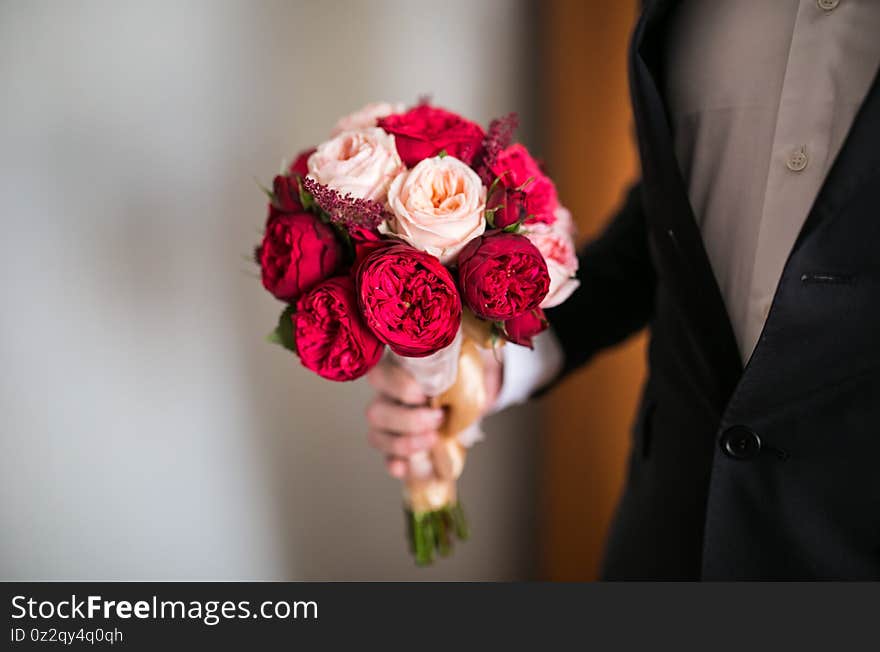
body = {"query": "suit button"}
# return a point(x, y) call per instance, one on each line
point(740, 443)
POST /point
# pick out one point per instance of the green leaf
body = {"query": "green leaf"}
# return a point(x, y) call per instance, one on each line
point(523, 185)
point(269, 193)
point(516, 227)
point(490, 216)
point(490, 212)
point(493, 186)
point(442, 153)
point(283, 333)
point(345, 236)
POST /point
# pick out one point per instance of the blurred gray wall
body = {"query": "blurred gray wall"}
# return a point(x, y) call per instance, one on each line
point(146, 430)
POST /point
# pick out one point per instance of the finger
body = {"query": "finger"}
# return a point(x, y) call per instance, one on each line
point(383, 414)
point(397, 466)
point(401, 446)
point(392, 380)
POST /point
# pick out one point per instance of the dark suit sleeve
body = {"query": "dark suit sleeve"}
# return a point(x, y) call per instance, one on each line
point(616, 294)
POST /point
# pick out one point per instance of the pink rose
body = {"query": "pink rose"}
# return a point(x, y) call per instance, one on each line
point(437, 206)
point(524, 192)
point(360, 163)
point(367, 116)
point(557, 247)
point(563, 223)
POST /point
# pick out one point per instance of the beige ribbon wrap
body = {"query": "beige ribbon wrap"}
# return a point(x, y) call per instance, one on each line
point(464, 403)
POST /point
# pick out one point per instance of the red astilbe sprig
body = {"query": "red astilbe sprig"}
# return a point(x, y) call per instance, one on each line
point(353, 213)
point(498, 136)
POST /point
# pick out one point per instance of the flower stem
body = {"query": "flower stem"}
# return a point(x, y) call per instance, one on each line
point(429, 533)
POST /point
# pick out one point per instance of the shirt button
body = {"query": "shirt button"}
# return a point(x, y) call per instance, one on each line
point(828, 5)
point(798, 159)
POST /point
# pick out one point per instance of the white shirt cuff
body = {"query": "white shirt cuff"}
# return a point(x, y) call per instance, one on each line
point(527, 370)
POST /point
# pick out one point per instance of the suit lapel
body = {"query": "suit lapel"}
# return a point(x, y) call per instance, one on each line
point(674, 233)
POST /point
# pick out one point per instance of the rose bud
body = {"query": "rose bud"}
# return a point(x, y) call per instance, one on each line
point(502, 275)
point(507, 206)
point(525, 193)
point(522, 328)
point(298, 252)
point(285, 194)
point(409, 300)
point(330, 337)
point(425, 131)
point(285, 187)
point(300, 165)
point(360, 233)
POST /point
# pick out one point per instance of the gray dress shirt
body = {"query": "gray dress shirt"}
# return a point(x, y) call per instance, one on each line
point(761, 95)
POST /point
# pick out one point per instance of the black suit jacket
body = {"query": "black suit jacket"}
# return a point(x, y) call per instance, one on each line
point(767, 472)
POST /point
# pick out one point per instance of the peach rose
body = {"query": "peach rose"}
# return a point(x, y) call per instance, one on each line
point(437, 206)
point(366, 116)
point(362, 163)
point(557, 246)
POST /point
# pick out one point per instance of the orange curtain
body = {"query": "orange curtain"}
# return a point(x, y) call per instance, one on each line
point(588, 148)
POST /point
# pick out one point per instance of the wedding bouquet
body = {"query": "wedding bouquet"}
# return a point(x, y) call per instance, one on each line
point(417, 230)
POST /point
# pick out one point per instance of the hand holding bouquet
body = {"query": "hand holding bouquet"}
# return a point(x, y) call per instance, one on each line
point(417, 231)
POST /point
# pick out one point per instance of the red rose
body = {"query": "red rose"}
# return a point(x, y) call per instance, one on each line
point(285, 187)
point(330, 337)
point(524, 192)
point(285, 193)
point(409, 300)
point(425, 131)
point(362, 251)
point(521, 329)
point(360, 233)
point(300, 166)
point(502, 275)
point(298, 252)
